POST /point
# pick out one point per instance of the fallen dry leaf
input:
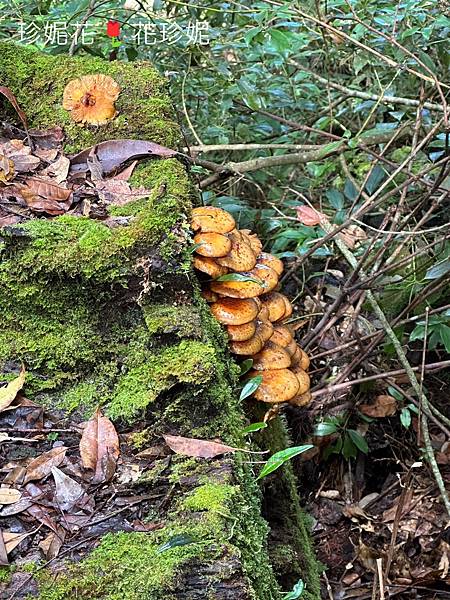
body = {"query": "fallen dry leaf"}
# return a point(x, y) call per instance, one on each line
point(42, 515)
point(42, 195)
point(58, 170)
point(9, 393)
point(118, 192)
point(67, 491)
point(9, 495)
point(99, 448)
point(196, 447)
point(47, 139)
point(383, 406)
point(20, 155)
point(52, 544)
point(41, 466)
point(353, 235)
point(127, 172)
point(113, 153)
point(12, 540)
point(309, 216)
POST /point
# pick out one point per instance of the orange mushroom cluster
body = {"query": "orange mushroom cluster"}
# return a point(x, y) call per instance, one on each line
point(249, 306)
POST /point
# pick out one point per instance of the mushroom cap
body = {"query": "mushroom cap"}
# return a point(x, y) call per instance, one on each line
point(209, 296)
point(272, 356)
point(278, 385)
point(301, 399)
point(240, 257)
point(304, 381)
point(291, 347)
point(276, 305)
point(281, 335)
point(234, 311)
point(90, 99)
point(264, 258)
point(209, 266)
point(304, 361)
point(253, 240)
point(288, 306)
point(263, 314)
point(209, 219)
point(297, 356)
point(249, 347)
point(241, 333)
point(238, 289)
point(267, 275)
point(212, 245)
point(264, 329)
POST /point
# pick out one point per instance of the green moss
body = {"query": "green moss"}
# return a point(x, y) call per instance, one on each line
point(183, 321)
point(126, 566)
point(5, 575)
point(210, 496)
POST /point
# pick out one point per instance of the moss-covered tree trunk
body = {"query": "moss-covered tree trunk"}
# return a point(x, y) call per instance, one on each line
point(113, 316)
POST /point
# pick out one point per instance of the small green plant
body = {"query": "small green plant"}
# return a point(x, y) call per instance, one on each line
point(347, 441)
point(407, 411)
point(438, 331)
point(279, 458)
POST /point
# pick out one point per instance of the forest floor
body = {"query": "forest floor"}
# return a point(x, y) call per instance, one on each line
point(377, 513)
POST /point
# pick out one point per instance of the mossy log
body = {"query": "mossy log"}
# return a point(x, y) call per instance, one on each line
point(113, 316)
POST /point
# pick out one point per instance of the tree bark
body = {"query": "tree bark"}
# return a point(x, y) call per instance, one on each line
point(113, 316)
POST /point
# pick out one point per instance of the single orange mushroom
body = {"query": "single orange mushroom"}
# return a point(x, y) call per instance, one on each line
point(303, 379)
point(234, 311)
point(301, 399)
point(90, 99)
point(249, 347)
point(264, 329)
point(276, 305)
point(241, 257)
point(264, 258)
point(272, 356)
point(241, 333)
point(253, 240)
point(209, 219)
point(212, 245)
point(209, 266)
point(281, 335)
point(278, 385)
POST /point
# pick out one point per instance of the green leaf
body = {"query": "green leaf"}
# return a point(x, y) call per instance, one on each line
point(444, 332)
point(279, 458)
point(280, 39)
point(176, 540)
point(335, 198)
point(438, 270)
point(297, 591)
point(394, 393)
point(405, 417)
point(250, 386)
point(240, 277)
point(325, 428)
point(245, 366)
point(349, 450)
point(254, 427)
point(376, 177)
point(358, 440)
